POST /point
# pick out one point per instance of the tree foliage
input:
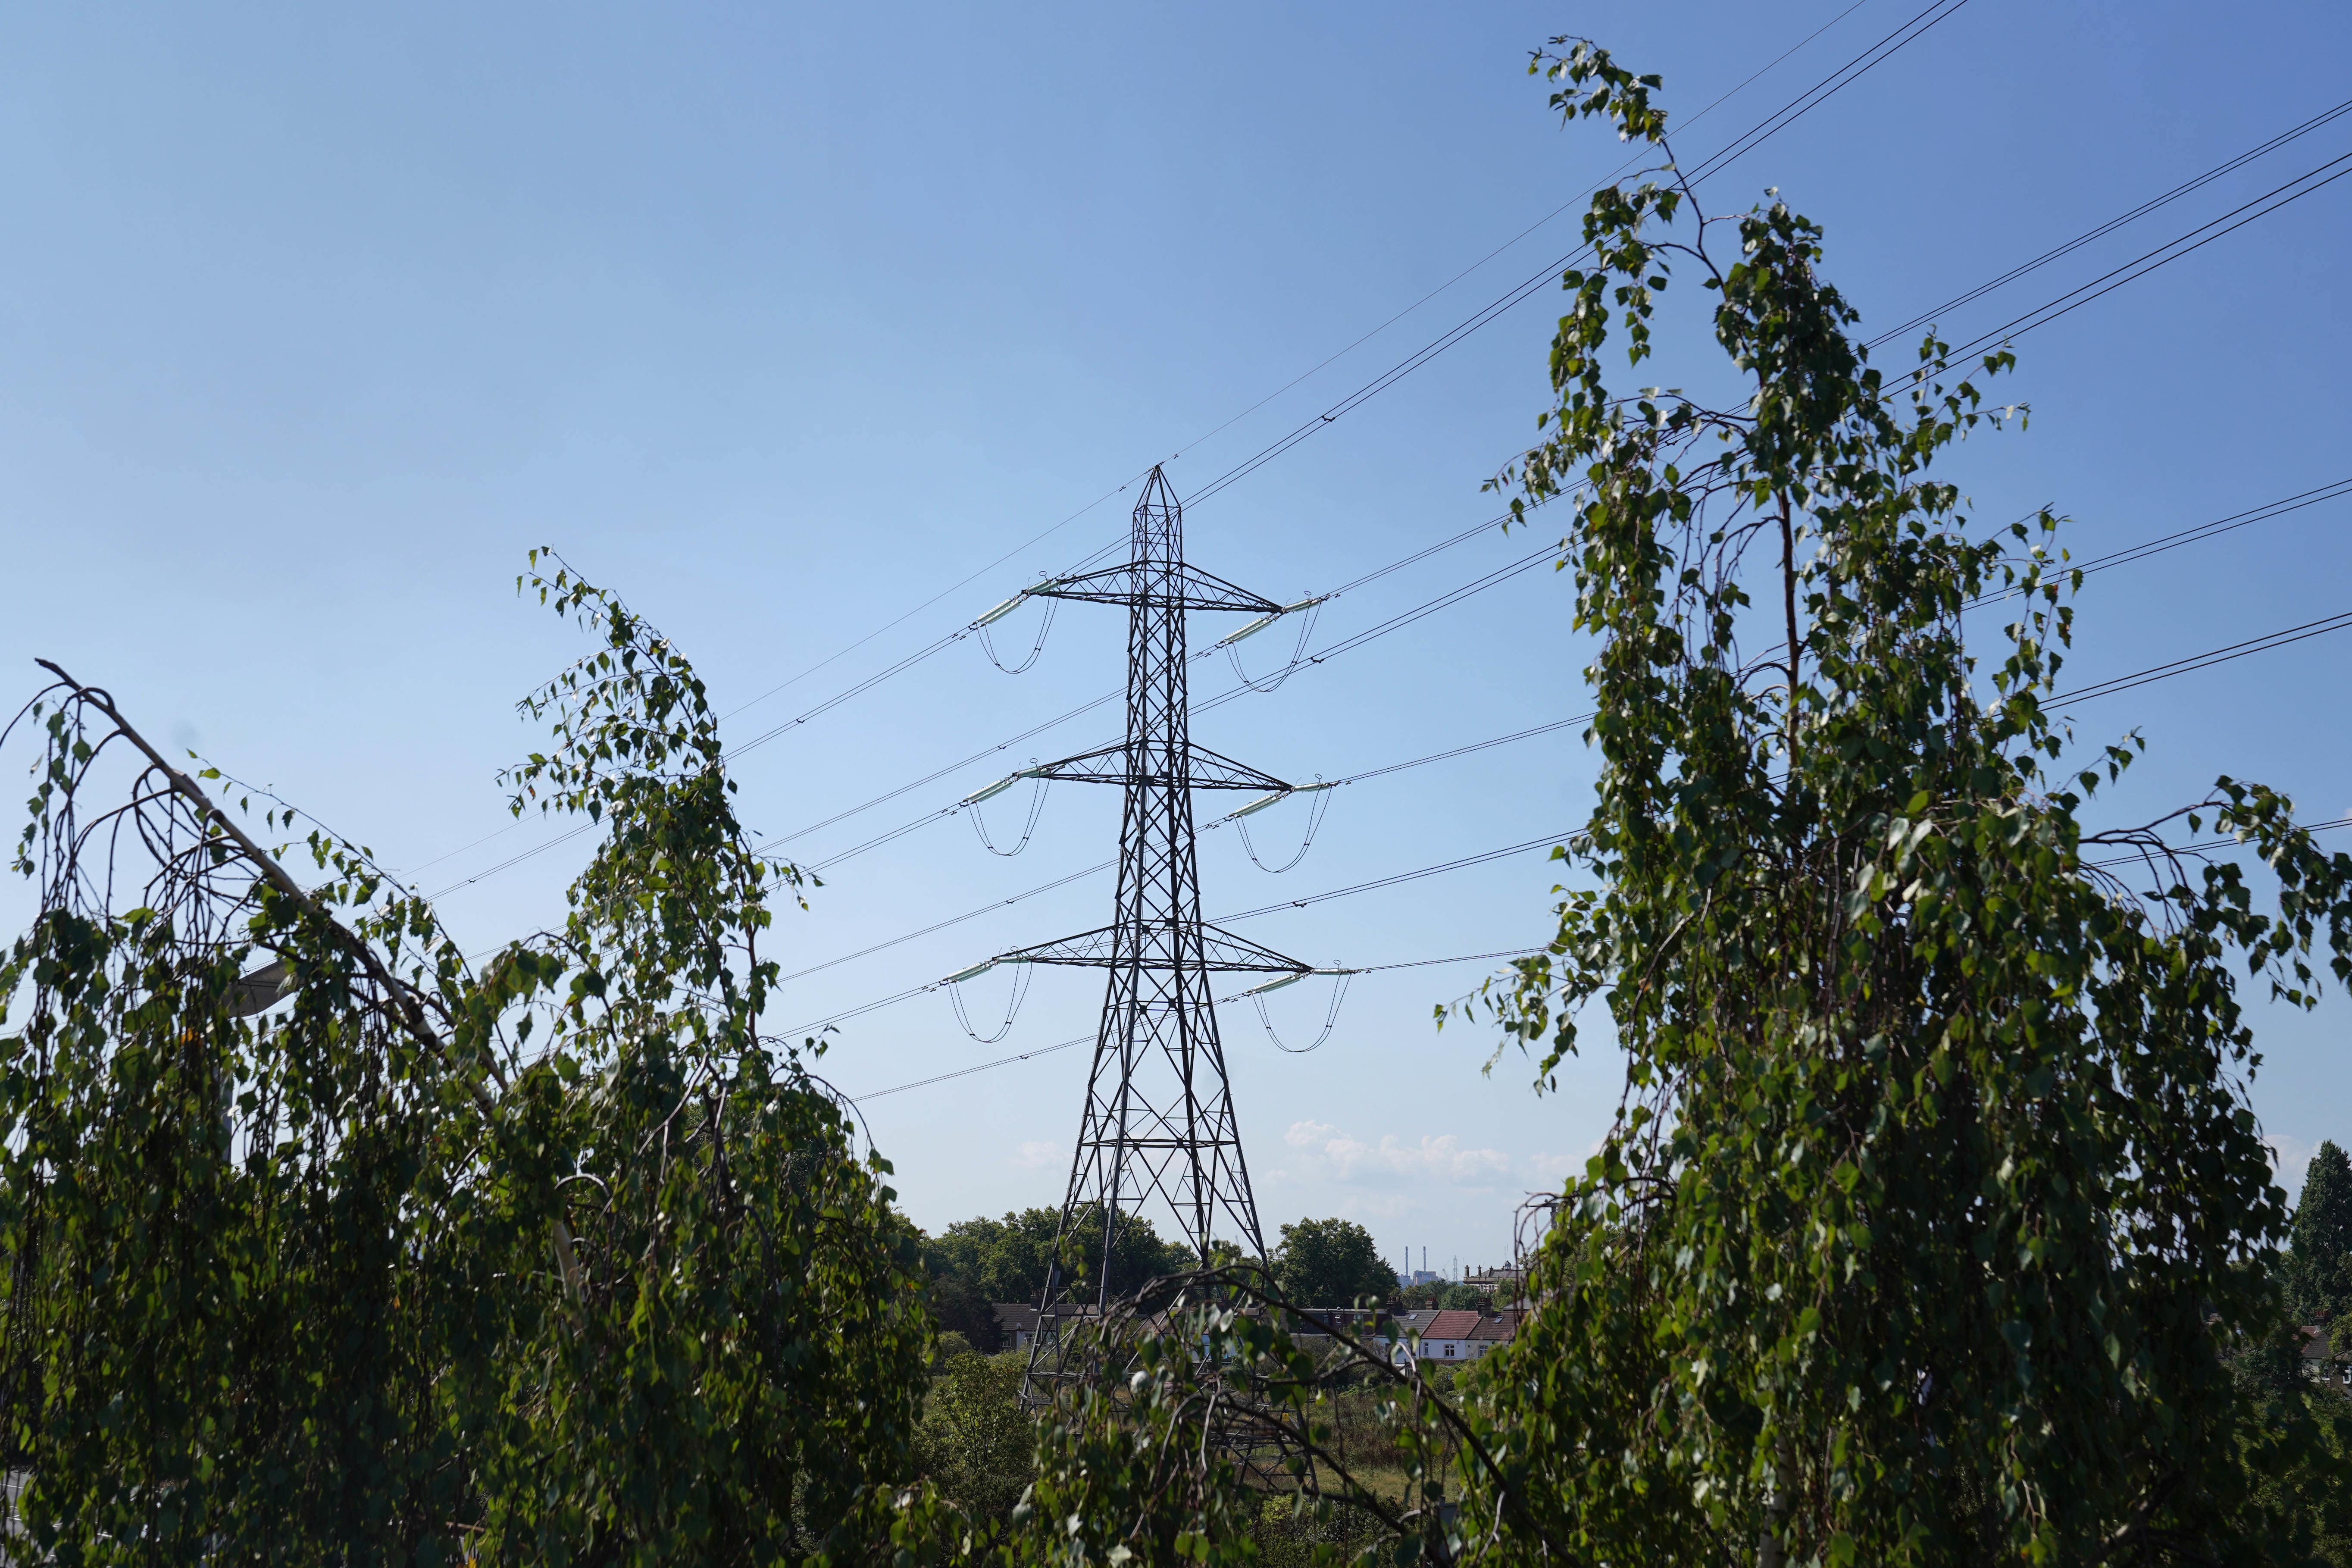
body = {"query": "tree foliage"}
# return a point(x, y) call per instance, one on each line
point(319, 1242)
point(2319, 1269)
point(1933, 1196)
point(1331, 1263)
point(1933, 1226)
point(1004, 1259)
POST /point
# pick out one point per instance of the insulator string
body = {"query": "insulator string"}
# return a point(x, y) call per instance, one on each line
point(1315, 810)
point(1330, 1017)
point(1012, 1009)
point(1044, 624)
point(1028, 830)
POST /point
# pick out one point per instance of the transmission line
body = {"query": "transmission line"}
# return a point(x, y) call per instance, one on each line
point(1772, 125)
point(2063, 305)
point(1208, 704)
point(1100, 867)
point(2194, 662)
point(1222, 1001)
point(2172, 251)
point(2103, 230)
point(2131, 554)
point(981, 755)
point(2208, 846)
point(1754, 137)
point(2197, 849)
point(2126, 556)
point(1875, 55)
point(1457, 864)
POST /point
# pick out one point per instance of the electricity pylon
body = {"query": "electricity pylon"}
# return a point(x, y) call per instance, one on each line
point(1159, 1124)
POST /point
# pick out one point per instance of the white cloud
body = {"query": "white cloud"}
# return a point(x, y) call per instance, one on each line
point(1036, 1154)
point(2289, 1156)
point(1441, 1159)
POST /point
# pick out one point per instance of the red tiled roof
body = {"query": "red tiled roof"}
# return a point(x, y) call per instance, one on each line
point(1503, 1325)
point(1452, 1325)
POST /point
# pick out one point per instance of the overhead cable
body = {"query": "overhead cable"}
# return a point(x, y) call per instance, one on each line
point(1102, 866)
point(1581, 196)
point(2306, 183)
point(1086, 1039)
point(2105, 689)
point(1772, 125)
point(2112, 223)
point(1460, 863)
point(2223, 655)
point(1394, 623)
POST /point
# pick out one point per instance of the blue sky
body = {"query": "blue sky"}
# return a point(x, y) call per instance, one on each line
point(782, 321)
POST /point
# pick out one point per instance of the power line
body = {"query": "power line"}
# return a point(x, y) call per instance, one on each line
point(2204, 531)
point(2164, 255)
point(1088, 1039)
point(1582, 196)
point(2126, 556)
point(2105, 689)
point(1076, 1040)
point(2063, 305)
point(960, 582)
point(1460, 863)
point(2200, 850)
point(2131, 554)
point(2207, 848)
point(1814, 97)
point(981, 755)
point(1346, 645)
point(1828, 87)
point(2103, 230)
point(2224, 655)
point(1503, 574)
point(1772, 125)
point(1100, 867)
point(1752, 138)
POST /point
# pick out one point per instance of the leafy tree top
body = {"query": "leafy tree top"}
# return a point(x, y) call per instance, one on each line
point(2319, 1272)
point(1928, 1206)
point(1332, 1263)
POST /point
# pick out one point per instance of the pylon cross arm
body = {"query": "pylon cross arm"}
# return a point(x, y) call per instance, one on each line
point(1203, 769)
point(1180, 586)
point(1219, 951)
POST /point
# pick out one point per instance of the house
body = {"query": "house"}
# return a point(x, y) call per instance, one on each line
point(1019, 1321)
point(2321, 1362)
point(1452, 1336)
point(1507, 1282)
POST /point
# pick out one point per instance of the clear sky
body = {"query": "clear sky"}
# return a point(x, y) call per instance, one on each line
point(782, 319)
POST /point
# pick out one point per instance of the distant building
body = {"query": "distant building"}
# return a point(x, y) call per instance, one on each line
point(1019, 1321)
point(1444, 1335)
point(1503, 1278)
point(2321, 1362)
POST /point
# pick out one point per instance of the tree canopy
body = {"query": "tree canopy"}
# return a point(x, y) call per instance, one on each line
point(319, 1242)
point(2319, 1266)
point(1331, 1263)
point(1004, 1259)
point(1928, 1208)
point(1932, 1227)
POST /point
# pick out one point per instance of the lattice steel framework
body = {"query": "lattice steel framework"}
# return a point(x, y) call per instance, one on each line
point(1158, 1126)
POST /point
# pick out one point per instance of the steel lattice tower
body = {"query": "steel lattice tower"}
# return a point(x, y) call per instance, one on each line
point(1158, 1126)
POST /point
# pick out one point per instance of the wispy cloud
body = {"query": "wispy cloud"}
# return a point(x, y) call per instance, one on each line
point(2289, 1156)
point(1443, 1159)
